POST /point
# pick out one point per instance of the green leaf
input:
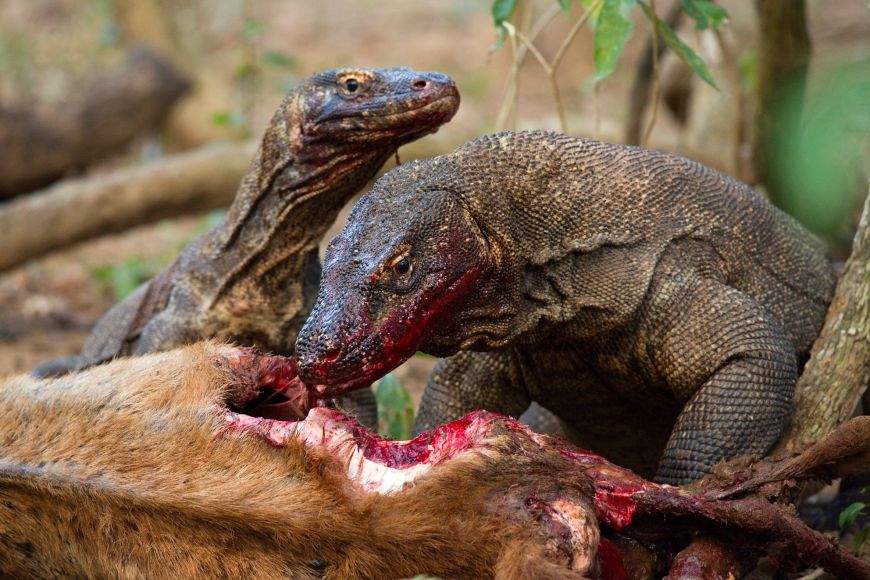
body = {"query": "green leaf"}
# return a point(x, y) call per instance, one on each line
point(612, 30)
point(122, 279)
point(279, 59)
point(222, 119)
point(680, 48)
point(850, 514)
point(565, 4)
point(704, 13)
point(859, 538)
point(395, 409)
point(502, 11)
point(252, 29)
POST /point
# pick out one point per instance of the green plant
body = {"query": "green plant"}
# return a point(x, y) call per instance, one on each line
point(612, 25)
point(122, 279)
point(395, 408)
point(847, 519)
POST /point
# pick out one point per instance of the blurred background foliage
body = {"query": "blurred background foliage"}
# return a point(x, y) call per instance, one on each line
point(570, 65)
point(822, 162)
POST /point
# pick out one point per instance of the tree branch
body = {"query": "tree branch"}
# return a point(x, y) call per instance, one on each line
point(41, 145)
point(836, 376)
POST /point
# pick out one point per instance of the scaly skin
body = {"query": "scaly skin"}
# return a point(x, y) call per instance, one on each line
point(253, 278)
point(659, 308)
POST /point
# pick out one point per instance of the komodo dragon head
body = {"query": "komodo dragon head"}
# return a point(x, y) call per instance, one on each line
point(396, 280)
point(370, 107)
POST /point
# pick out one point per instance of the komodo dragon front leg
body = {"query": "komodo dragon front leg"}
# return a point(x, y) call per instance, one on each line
point(719, 338)
point(470, 381)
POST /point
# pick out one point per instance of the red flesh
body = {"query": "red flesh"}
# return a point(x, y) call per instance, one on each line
point(610, 561)
point(381, 466)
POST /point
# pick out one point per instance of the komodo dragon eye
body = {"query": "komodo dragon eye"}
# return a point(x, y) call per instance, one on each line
point(396, 272)
point(351, 85)
point(403, 266)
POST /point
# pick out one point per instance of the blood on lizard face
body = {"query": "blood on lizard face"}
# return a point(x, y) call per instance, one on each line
point(392, 280)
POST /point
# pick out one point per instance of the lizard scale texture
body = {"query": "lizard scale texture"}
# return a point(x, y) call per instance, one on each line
point(659, 308)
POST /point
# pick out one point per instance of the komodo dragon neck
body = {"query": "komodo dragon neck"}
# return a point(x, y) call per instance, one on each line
point(257, 251)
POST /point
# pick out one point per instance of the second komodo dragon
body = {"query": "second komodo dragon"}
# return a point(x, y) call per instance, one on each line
point(253, 278)
point(659, 308)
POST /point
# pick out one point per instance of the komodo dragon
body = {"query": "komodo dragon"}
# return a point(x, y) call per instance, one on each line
point(253, 278)
point(659, 308)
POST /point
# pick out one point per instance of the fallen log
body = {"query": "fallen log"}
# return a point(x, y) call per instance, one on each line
point(42, 144)
point(198, 462)
point(76, 210)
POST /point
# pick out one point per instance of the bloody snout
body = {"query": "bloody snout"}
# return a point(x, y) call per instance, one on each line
point(331, 347)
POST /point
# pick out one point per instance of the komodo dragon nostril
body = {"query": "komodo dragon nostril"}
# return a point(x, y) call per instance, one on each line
point(330, 352)
point(420, 84)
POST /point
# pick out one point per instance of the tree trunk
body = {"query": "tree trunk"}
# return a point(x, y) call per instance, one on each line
point(76, 210)
point(784, 54)
point(41, 145)
point(836, 376)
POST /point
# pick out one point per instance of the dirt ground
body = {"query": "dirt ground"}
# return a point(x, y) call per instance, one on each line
point(48, 306)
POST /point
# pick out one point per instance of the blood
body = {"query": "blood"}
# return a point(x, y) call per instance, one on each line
point(441, 443)
point(610, 561)
point(277, 372)
point(411, 327)
point(282, 394)
point(614, 504)
point(400, 335)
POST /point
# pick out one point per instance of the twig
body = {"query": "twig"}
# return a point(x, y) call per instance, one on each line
point(640, 88)
point(549, 67)
point(655, 72)
point(597, 100)
point(574, 30)
point(509, 101)
point(737, 89)
point(563, 125)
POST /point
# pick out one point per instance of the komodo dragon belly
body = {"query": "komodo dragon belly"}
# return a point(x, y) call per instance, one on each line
point(619, 412)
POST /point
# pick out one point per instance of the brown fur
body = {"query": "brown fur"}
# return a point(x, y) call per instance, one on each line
point(127, 470)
